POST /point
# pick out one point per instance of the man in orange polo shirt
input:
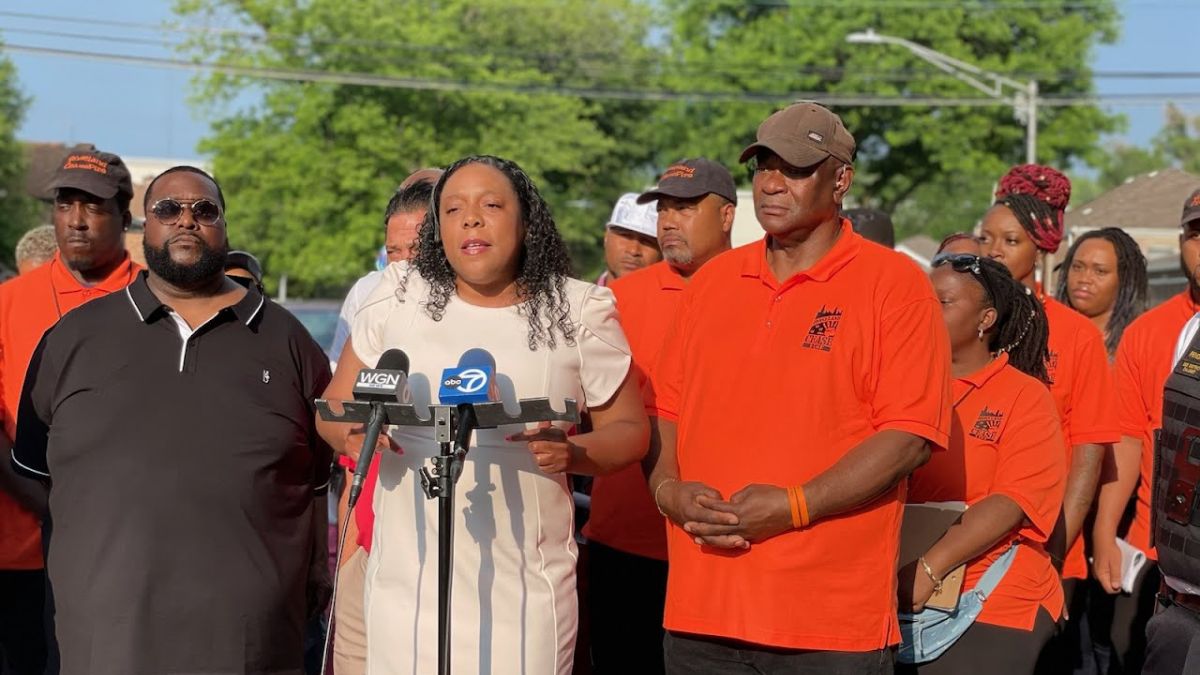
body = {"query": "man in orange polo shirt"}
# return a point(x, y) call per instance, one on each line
point(806, 376)
point(1143, 363)
point(627, 547)
point(91, 212)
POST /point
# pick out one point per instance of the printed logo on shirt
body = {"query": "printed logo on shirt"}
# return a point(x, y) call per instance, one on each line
point(266, 377)
point(1051, 364)
point(1189, 364)
point(987, 427)
point(824, 329)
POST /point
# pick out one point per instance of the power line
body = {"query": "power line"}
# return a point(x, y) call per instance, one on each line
point(383, 81)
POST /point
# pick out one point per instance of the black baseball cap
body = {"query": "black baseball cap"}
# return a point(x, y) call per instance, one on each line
point(99, 173)
point(691, 178)
point(1191, 209)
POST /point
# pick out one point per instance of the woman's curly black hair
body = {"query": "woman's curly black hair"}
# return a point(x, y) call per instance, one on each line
point(543, 269)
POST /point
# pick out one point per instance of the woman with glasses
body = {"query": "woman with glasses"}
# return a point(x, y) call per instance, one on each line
point(1105, 280)
point(491, 272)
point(1024, 225)
point(1005, 462)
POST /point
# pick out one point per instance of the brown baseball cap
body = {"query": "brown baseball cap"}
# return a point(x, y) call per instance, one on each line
point(1191, 209)
point(99, 173)
point(691, 178)
point(803, 134)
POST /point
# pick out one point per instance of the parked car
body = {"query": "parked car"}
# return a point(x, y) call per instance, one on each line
point(320, 317)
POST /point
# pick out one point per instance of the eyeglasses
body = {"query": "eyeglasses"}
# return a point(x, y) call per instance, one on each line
point(204, 211)
point(964, 263)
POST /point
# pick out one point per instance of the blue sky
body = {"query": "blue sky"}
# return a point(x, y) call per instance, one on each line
point(144, 111)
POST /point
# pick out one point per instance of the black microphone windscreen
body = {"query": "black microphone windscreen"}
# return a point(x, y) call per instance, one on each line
point(393, 359)
point(477, 357)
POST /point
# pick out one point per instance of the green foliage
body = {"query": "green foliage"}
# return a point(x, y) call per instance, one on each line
point(309, 166)
point(1177, 144)
point(18, 210)
point(309, 170)
point(934, 168)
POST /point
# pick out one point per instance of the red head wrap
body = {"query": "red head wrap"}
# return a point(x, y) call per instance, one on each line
point(1046, 185)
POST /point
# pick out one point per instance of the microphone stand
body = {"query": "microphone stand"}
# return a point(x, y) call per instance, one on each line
point(452, 427)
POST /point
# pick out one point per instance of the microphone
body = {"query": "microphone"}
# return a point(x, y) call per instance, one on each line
point(473, 380)
point(386, 383)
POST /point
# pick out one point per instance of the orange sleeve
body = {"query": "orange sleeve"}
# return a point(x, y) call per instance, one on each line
point(1030, 462)
point(1092, 418)
point(912, 391)
point(1133, 416)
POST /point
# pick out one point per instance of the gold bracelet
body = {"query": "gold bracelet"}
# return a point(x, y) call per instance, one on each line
point(660, 486)
point(937, 583)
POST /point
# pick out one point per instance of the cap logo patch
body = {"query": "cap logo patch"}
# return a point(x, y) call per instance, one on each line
point(1195, 200)
point(816, 137)
point(86, 163)
point(678, 171)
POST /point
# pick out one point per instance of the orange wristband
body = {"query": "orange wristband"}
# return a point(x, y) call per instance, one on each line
point(794, 502)
point(804, 519)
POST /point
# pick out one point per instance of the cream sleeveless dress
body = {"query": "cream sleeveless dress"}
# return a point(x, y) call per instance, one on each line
point(514, 603)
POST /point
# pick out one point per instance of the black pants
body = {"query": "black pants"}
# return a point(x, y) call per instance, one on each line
point(986, 650)
point(626, 594)
point(1070, 651)
point(1119, 622)
point(22, 622)
point(1172, 642)
point(700, 655)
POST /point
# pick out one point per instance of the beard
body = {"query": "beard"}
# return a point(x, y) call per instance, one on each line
point(210, 265)
point(679, 255)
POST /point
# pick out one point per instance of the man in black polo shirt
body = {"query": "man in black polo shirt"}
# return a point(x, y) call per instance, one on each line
point(174, 422)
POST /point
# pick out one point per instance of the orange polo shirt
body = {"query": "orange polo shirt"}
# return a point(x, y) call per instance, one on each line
point(1143, 363)
point(1081, 383)
point(29, 305)
point(623, 514)
point(773, 382)
point(1006, 441)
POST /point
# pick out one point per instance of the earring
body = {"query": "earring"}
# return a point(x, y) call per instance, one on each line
point(981, 332)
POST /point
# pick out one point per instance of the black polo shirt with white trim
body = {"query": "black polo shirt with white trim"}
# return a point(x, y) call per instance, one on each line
point(182, 466)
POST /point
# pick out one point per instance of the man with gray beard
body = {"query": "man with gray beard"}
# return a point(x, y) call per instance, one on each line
point(174, 424)
point(627, 545)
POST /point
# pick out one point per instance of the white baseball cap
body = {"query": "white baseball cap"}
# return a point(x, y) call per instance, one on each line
point(640, 218)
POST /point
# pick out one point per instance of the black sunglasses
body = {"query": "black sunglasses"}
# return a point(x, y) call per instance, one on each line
point(964, 263)
point(204, 211)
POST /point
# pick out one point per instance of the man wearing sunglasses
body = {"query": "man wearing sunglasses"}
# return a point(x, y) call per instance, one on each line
point(805, 377)
point(91, 190)
point(196, 394)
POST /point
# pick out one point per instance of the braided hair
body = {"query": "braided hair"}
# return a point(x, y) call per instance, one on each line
point(1132, 282)
point(542, 271)
point(1021, 329)
point(1037, 196)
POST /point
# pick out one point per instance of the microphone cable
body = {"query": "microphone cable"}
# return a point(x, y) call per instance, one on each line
point(337, 568)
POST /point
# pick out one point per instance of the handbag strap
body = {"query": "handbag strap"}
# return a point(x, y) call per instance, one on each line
point(995, 573)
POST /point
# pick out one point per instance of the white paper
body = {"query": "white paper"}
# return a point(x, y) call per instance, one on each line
point(1132, 561)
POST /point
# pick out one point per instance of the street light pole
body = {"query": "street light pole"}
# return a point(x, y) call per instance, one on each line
point(1024, 97)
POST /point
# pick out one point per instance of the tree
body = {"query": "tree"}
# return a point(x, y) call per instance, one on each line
point(309, 168)
point(18, 211)
point(933, 167)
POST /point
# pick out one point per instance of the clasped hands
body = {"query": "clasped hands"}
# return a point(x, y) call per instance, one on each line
point(750, 515)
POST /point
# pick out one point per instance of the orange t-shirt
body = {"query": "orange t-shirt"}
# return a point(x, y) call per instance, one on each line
point(1144, 361)
point(29, 305)
point(1006, 441)
point(623, 514)
point(1081, 383)
point(775, 382)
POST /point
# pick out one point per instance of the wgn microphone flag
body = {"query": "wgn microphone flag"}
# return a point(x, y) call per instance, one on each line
point(386, 383)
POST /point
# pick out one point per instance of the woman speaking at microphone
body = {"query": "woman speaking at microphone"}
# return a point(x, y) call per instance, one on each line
point(491, 272)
